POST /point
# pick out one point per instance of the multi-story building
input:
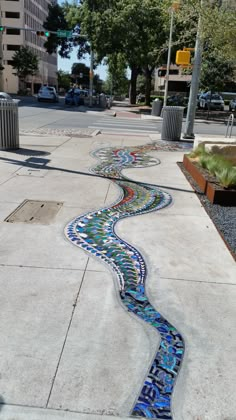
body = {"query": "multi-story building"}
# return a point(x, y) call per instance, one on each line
point(29, 14)
point(178, 81)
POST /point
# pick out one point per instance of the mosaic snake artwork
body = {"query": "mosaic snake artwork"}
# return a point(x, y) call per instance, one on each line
point(95, 233)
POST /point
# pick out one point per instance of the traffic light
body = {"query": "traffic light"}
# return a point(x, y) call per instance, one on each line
point(1, 28)
point(43, 33)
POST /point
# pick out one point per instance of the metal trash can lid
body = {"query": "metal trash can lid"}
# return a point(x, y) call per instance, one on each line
point(173, 108)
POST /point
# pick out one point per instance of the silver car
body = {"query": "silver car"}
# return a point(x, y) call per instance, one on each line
point(47, 93)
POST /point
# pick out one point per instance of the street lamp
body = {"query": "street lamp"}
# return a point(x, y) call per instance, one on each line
point(1, 52)
point(192, 103)
point(174, 7)
point(91, 78)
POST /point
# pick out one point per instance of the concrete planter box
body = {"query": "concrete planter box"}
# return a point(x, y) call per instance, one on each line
point(214, 193)
point(195, 173)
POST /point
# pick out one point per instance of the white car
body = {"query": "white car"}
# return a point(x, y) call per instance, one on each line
point(47, 93)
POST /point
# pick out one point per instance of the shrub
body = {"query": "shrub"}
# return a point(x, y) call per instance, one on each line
point(204, 159)
point(217, 163)
point(200, 149)
point(227, 177)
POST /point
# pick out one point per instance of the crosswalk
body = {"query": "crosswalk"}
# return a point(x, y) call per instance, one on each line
point(123, 125)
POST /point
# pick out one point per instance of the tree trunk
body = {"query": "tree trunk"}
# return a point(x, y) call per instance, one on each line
point(133, 82)
point(148, 86)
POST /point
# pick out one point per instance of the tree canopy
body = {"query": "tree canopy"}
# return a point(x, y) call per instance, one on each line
point(25, 62)
point(139, 31)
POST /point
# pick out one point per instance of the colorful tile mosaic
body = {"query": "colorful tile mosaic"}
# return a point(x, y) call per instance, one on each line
point(95, 233)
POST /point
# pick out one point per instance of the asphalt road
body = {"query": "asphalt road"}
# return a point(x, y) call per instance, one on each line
point(35, 116)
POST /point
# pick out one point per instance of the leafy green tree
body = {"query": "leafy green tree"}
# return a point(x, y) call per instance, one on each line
point(216, 72)
point(117, 81)
point(133, 28)
point(57, 19)
point(25, 62)
point(80, 73)
point(218, 22)
point(64, 79)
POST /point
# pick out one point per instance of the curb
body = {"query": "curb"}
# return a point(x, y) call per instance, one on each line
point(95, 133)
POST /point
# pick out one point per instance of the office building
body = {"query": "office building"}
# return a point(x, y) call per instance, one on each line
point(29, 14)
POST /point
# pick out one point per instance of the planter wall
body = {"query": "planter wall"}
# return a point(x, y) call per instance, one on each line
point(195, 173)
point(220, 196)
point(214, 194)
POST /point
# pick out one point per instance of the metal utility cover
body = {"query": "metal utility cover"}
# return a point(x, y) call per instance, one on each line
point(35, 212)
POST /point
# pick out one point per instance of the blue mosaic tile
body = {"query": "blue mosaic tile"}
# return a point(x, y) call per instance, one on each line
point(95, 233)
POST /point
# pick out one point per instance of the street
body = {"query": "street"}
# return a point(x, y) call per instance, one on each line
point(56, 116)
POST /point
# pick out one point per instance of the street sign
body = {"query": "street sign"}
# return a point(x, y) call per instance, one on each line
point(64, 34)
point(183, 58)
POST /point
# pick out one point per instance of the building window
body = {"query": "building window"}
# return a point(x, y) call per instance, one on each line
point(13, 47)
point(12, 0)
point(9, 62)
point(12, 15)
point(12, 31)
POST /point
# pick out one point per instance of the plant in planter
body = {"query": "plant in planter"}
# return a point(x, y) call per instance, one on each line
point(226, 177)
point(214, 174)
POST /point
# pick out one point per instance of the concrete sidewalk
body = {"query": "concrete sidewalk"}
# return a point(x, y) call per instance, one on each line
point(68, 348)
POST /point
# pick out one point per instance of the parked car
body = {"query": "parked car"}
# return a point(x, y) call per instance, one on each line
point(211, 101)
point(47, 93)
point(176, 100)
point(75, 96)
point(4, 95)
point(232, 105)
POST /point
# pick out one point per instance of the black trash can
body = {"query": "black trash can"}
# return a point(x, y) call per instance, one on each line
point(9, 125)
point(156, 107)
point(172, 122)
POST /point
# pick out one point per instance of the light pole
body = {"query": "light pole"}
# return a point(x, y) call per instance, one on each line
point(192, 103)
point(1, 52)
point(91, 78)
point(174, 7)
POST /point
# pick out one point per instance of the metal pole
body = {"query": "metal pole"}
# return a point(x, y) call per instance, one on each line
point(91, 79)
point(1, 53)
point(169, 56)
point(192, 103)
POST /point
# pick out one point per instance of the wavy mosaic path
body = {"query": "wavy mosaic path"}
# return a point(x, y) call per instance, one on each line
point(94, 232)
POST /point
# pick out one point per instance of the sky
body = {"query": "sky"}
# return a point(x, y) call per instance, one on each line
point(66, 63)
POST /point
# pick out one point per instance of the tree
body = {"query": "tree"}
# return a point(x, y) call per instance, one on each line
point(218, 21)
point(64, 79)
point(25, 62)
point(117, 81)
point(57, 19)
point(216, 72)
point(80, 74)
point(133, 28)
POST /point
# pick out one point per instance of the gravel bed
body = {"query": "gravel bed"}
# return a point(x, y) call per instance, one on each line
point(223, 217)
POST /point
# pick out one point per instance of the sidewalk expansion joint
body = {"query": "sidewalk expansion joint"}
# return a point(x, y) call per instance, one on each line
point(67, 332)
point(64, 411)
point(41, 267)
point(198, 281)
